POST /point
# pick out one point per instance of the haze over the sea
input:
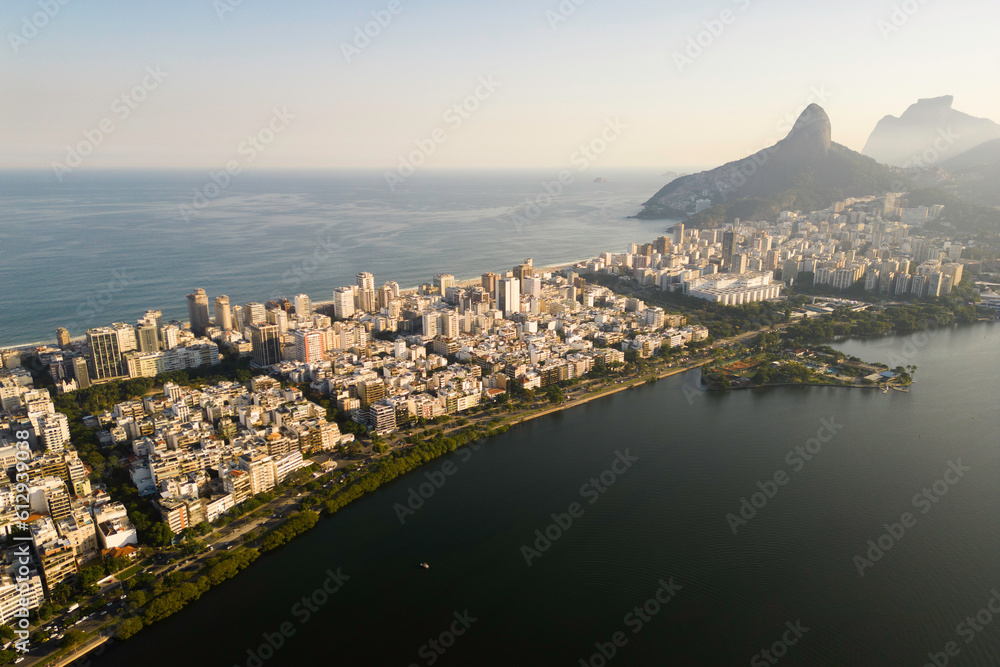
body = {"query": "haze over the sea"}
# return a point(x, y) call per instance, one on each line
point(105, 246)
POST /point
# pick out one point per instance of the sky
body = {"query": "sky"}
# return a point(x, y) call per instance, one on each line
point(298, 84)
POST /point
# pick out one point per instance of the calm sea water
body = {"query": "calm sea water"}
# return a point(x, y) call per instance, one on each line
point(663, 517)
point(105, 246)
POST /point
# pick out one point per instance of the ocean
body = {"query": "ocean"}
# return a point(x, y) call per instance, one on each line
point(105, 246)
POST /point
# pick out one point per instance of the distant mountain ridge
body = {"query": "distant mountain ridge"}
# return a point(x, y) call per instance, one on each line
point(987, 153)
point(926, 133)
point(805, 170)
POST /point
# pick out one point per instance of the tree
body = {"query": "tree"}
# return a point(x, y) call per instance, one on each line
point(6, 633)
point(62, 593)
point(136, 600)
point(88, 578)
point(46, 610)
point(117, 564)
point(159, 535)
point(141, 580)
point(72, 638)
point(7, 657)
point(128, 627)
point(192, 547)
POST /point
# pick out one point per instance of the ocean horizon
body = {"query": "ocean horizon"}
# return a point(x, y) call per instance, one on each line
point(104, 246)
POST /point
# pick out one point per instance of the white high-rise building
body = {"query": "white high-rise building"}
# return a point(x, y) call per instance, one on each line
point(54, 431)
point(343, 302)
point(532, 286)
point(508, 296)
point(449, 325)
point(431, 322)
point(278, 317)
point(254, 313)
point(303, 307)
point(171, 336)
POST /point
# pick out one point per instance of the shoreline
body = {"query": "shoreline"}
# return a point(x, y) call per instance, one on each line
point(467, 282)
point(607, 392)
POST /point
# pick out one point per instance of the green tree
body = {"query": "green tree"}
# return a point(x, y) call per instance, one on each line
point(128, 627)
point(159, 535)
point(192, 547)
point(46, 611)
point(72, 638)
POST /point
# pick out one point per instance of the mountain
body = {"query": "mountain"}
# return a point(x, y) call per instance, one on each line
point(927, 132)
point(803, 171)
point(985, 154)
point(975, 174)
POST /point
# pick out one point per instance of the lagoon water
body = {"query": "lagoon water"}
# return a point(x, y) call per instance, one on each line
point(103, 247)
point(697, 454)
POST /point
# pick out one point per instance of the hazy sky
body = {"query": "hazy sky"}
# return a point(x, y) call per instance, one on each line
point(229, 63)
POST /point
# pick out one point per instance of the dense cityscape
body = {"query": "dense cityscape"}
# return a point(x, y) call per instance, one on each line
point(384, 360)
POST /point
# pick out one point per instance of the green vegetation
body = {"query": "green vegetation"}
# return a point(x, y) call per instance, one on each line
point(156, 599)
point(72, 638)
point(903, 318)
point(398, 463)
point(957, 212)
point(296, 524)
point(841, 173)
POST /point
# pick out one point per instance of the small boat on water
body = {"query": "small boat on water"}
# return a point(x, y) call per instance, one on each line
point(425, 566)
